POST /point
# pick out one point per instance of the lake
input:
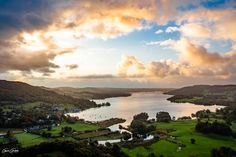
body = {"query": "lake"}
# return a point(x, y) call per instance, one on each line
point(150, 102)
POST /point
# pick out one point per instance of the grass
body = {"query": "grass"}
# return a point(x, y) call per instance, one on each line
point(184, 132)
point(27, 139)
point(158, 148)
point(78, 126)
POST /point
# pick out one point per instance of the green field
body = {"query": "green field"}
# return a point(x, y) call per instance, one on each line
point(27, 139)
point(184, 132)
point(78, 126)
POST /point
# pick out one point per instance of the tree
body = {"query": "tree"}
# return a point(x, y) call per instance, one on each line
point(138, 128)
point(67, 129)
point(215, 127)
point(49, 128)
point(193, 115)
point(163, 117)
point(223, 152)
point(126, 136)
point(173, 118)
point(9, 134)
point(46, 134)
point(202, 114)
point(151, 155)
point(193, 141)
point(151, 128)
point(108, 144)
point(141, 116)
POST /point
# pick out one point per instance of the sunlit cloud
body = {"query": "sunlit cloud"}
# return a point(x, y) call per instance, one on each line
point(172, 29)
point(45, 39)
point(194, 61)
point(159, 31)
point(72, 66)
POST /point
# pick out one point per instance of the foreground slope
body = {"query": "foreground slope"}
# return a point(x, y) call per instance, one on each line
point(19, 93)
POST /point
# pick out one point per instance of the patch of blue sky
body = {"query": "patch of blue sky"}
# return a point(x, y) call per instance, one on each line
point(188, 7)
point(220, 46)
point(213, 4)
point(134, 43)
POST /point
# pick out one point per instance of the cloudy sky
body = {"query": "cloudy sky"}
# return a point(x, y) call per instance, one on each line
point(118, 43)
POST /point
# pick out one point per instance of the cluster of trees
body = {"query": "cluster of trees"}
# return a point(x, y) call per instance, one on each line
point(185, 118)
point(19, 118)
point(66, 130)
point(202, 114)
point(163, 117)
point(229, 113)
point(215, 127)
point(46, 134)
point(223, 152)
point(139, 125)
point(72, 149)
point(104, 104)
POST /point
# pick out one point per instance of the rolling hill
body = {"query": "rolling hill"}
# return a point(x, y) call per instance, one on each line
point(205, 94)
point(102, 93)
point(15, 93)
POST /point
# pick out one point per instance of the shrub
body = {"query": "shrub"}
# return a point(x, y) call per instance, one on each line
point(193, 141)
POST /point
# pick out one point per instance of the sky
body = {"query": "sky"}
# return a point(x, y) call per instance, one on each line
point(125, 43)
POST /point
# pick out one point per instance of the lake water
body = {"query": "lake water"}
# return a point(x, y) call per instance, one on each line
point(150, 102)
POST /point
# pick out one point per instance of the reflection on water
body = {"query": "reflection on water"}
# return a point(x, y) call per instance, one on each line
point(127, 107)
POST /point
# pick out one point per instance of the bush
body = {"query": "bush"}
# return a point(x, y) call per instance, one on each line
point(193, 141)
point(126, 136)
point(67, 129)
point(223, 152)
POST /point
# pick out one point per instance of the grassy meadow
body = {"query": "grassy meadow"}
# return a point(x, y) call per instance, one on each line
point(184, 131)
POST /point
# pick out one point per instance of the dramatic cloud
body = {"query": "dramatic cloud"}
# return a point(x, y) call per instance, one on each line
point(30, 53)
point(194, 61)
point(35, 33)
point(209, 24)
point(91, 18)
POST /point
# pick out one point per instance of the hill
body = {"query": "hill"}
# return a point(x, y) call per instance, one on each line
point(205, 94)
point(102, 93)
point(19, 93)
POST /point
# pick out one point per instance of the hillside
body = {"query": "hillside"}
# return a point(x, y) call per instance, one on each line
point(19, 93)
point(205, 94)
point(101, 93)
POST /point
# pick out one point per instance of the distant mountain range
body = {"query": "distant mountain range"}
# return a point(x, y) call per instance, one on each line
point(205, 94)
point(19, 93)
